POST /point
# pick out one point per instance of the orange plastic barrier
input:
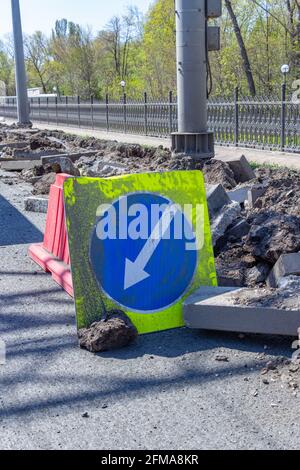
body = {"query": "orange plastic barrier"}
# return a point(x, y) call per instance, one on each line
point(53, 254)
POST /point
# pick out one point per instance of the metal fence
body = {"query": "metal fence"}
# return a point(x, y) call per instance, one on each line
point(268, 123)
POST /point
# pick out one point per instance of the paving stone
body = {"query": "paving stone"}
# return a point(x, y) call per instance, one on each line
point(217, 308)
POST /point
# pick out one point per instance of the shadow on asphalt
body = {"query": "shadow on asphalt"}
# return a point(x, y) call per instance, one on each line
point(15, 229)
point(183, 341)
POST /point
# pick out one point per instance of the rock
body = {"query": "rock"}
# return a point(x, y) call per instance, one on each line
point(42, 186)
point(216, 198)
point(272, 235)
point(38, 205)
point(257, 274)
point(66, 165)
point(224, 219)
point(114, 333)
point(239, 230)
point(287, 265)
point(221, 358)
point(103, 169)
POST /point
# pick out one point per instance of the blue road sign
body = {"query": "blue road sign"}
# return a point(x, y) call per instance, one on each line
point(144, 261)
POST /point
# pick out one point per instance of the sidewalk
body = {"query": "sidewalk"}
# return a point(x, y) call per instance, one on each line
point(290, 160)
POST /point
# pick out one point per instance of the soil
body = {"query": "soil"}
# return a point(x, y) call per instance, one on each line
point(115, 332)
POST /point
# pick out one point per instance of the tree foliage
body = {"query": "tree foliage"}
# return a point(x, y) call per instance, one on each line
point(258, 36)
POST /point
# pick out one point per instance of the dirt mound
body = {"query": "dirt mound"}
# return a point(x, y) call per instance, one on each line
point(217, 172)
point(115, 332)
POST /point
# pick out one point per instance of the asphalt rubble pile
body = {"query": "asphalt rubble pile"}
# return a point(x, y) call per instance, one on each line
point(255, 214)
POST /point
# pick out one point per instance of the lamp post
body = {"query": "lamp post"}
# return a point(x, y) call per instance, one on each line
point(21, 80)
point(285, 69)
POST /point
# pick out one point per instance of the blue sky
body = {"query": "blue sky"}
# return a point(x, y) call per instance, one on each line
point(41, 14)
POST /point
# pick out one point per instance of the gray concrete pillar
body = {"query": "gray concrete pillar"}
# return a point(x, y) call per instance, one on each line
point(21, 79)
point(192, 137)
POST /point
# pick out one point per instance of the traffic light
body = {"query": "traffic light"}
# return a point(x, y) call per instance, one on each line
point(213, 10)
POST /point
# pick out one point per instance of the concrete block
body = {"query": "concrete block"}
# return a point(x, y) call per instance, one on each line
point(36, 204)
point(287, 265)
point(34, 155)
point(254, 194)
point(241, 168)
point(74, 157)
point(13, 145)
point(18, 165)
point(224, 219)
point(239, 195)
point(216, 198)
point(215, 308)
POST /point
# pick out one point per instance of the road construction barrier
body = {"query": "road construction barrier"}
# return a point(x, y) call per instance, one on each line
point(53, 254)
point(140, 243)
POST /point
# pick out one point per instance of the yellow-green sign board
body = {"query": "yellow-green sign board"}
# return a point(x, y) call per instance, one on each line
point(138, 243)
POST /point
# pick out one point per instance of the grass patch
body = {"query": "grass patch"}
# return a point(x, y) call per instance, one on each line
point(271, 166)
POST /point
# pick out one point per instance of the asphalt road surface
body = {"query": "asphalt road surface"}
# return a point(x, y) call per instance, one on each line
point(167, 391)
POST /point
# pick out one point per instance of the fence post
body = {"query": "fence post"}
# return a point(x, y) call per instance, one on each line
point(145, 113)
point(78, 108)
point(47, 102)
point(236, 117)
point(107, 111)
point(170, 112)
point(67, 111)
point(39, 102)
point(125, 112)
point(92, 110)
point(283, 116)
point(56, 110)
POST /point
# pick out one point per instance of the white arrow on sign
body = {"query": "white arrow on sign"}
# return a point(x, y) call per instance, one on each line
point(135, 271)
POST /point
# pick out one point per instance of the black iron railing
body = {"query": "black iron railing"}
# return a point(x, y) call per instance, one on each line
point(268, 123)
